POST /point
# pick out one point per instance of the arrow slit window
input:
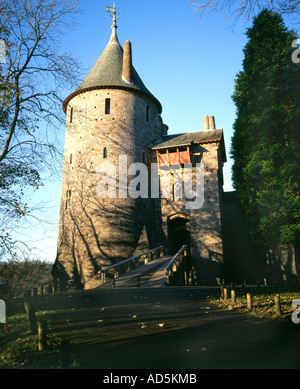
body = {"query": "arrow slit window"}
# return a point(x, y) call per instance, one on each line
point(105, 152)
point(71, 115)
point(68, 199)
point(107, 106)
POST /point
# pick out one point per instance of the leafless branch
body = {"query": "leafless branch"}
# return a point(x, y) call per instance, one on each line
point(32, 87)
point(245, 8)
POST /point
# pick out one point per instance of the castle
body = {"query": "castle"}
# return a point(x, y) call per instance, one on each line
point(112, 119)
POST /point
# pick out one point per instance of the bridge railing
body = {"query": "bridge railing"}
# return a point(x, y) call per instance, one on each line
point(174, 264)
point(123, 267)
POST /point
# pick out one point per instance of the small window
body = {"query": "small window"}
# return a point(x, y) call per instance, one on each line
point(68, 199)
point(177, 191)
point(105, 152)
point(71, 115)
point(107, 106)
point(147, 113)
point(71, 159)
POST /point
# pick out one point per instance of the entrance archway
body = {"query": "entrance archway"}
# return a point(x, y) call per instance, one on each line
point(178, 232)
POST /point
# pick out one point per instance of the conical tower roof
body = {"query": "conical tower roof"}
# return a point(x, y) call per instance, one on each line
point(107, 73)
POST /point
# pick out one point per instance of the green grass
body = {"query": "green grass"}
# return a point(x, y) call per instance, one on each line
point(262, 303)
point(19, 347)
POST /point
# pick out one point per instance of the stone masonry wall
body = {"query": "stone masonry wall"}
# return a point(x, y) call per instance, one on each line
point(94, 231)
point(205, 224)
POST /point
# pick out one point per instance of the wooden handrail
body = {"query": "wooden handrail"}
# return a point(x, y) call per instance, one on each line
point(175, 262)
point(136, 258)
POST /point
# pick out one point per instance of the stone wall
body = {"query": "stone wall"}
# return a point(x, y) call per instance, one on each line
point(94, 231)
point(205, 223)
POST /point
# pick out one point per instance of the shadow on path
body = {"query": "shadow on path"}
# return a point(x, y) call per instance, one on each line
point(172, 328)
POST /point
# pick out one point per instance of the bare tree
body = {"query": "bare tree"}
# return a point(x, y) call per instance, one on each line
point(19, 275)
point(34, 75)
point(246, 8)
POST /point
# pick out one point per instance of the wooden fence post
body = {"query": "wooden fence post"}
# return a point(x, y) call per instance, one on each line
point(249, 301)
point(225, 294)
point(167, 277)
point(42, 335)
point(233, 299)
point(222, 291)
point(27, 296)
point(30, 312)
point(277, 305)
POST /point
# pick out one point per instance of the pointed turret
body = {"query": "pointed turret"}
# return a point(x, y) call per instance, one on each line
point(114, 70)
point(111, 120)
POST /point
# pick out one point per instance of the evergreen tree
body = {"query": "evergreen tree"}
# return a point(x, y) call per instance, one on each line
point(265, 144)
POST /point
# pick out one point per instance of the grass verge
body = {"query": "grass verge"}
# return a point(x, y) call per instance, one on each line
point(19, 347)
point(263, 304)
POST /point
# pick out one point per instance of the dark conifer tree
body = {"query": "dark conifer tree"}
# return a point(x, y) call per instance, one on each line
point(265, 144)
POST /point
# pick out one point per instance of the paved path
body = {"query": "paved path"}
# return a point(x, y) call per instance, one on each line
point(170, 327)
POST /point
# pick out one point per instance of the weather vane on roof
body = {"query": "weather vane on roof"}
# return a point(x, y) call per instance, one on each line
point(113, 11)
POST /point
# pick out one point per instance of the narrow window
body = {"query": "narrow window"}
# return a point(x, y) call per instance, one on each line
point(147, 113)
point(177, 191)
point(71, 159)
point(107, 106)
point(71, 115)
point(105, 152)
point(68, 199)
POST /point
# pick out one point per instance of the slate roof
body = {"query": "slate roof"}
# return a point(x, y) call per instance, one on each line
point(107, 73)
point(190, 138)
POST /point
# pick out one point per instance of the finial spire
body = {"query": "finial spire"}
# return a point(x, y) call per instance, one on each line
point(113, 11)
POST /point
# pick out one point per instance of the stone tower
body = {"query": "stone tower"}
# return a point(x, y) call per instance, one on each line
point(110, 117)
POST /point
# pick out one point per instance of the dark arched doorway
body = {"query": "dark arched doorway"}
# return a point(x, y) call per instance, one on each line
point(178, 232)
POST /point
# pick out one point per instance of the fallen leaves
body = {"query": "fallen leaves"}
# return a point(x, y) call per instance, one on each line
point(262, 303)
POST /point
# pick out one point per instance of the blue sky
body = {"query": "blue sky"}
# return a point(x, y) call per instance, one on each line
point(189, 63)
